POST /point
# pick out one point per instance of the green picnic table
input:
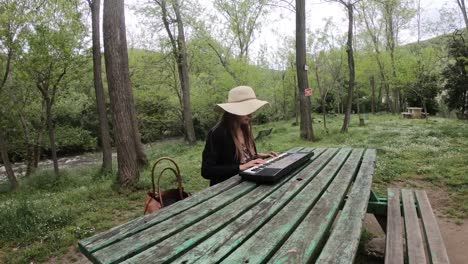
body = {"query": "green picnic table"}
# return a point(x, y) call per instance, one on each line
point(295, 220)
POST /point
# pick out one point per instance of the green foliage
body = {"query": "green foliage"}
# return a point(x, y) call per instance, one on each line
point(456, 73)
point(74, 140)
point(157, 117)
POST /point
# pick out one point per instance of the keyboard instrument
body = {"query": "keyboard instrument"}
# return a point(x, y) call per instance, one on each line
point(277, 167)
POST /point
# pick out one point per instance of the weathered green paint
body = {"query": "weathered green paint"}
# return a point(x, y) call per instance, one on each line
point(138, 242)
point(377, 208)
point(306, 240)
point(373, 197)
point(345, 236)
point(94, 243)
point(269, 237)
point(237, 221)
point(229, 238)
point(264, 197)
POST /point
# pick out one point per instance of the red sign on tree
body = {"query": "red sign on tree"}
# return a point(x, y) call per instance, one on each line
point(308, 92)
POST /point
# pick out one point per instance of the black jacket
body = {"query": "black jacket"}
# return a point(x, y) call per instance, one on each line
point(219, 161)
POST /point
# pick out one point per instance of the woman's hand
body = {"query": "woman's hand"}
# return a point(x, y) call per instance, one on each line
point(272, 154)
point(250, 164)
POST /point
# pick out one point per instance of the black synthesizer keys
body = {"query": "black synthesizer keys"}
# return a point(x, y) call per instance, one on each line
point(277, 167)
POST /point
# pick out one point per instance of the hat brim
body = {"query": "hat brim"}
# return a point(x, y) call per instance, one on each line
point(241, 108)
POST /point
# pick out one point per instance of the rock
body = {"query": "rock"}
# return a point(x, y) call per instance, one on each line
point(375, 248)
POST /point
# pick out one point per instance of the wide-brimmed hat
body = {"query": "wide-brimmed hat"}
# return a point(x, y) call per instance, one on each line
point(241, 101)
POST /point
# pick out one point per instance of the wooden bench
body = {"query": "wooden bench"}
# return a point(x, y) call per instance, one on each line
point(413, 222)
point(295, 220)
point(263, 133)
point(407, 115)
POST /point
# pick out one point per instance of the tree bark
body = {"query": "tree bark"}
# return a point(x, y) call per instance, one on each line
point(51, 132)
point(352, 74)
point(182, 66)
point(116, 59)
point(461, 4)
point(180, 55)
point(307, 131)
point(390, 34)
point(372, 85)
point(6, 162)
point(323, 96)
point(95, 6)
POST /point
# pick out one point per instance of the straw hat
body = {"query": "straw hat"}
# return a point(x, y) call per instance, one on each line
point(241, 101)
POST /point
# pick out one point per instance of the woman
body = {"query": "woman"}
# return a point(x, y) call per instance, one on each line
point(230, 146)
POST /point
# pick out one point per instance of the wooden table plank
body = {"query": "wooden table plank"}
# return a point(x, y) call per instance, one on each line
point(138, 242)
point(347, 232)
point(89, 245)
point(227, 239)
point(269, 237)
point(305, 242)
point(414, 240)
point(183, 241)
point(438, 253)
point(394, 252)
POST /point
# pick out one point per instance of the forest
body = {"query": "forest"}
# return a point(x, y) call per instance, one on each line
point(75, 79)
point(48, 96)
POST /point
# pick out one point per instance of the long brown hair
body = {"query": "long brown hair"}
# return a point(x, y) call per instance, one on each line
point(231, 122)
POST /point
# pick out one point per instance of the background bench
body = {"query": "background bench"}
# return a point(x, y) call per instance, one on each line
point(422, 241)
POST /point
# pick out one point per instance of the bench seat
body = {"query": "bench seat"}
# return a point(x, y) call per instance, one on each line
point(412, 230)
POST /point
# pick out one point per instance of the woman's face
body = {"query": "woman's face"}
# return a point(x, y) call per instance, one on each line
point(244, 120)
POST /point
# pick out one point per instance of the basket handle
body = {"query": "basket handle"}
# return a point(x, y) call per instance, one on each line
point(176, 173)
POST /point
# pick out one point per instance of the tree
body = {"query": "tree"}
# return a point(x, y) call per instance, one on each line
point(243, 20)
point(95, 6)
point(12, 24)
point(327, 60)
point(179, 51)
point(369, 14)
point(462, 6)
point(307, 131)
point(349, 5)
point(456, 73)
point(121, 98)
point(53, 46)
point(397, 14)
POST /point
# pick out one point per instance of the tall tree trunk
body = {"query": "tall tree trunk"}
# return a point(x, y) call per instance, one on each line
point(383, 77)
point(372, 85)
point(122, 104)
point(390, 34)
point(3, 146)
point(462, 6)
point(379, 98)
point(182, 67)
point(307, 131)
point(323, 96)
point(95, 6)
point(40, 139)
point(6, 162)
point(29, 146)
point(352, 74)
point(51, 132)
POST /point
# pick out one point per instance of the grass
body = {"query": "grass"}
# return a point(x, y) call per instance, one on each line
point(48, 216)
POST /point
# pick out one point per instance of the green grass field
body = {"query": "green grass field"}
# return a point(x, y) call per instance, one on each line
point(47, 217)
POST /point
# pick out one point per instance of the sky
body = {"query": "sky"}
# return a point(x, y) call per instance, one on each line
point(280, 23)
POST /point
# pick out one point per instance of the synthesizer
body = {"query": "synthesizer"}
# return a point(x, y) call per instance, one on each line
point(277, 167)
